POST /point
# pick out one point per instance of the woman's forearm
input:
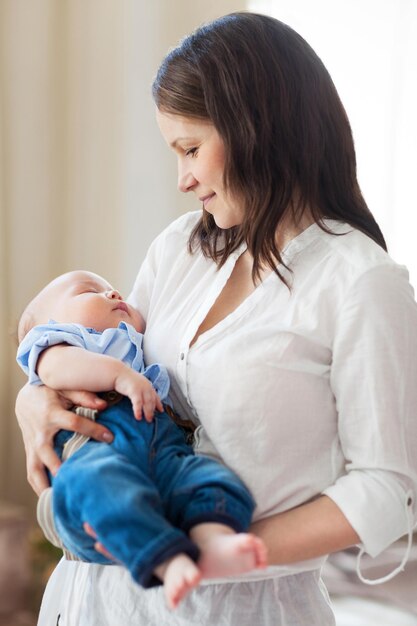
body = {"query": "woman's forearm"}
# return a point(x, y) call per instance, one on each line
point(306, 532)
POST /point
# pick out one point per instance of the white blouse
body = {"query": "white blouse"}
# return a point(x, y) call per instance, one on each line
point(301, 392)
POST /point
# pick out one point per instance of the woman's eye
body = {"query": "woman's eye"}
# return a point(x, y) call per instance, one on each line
point(191, 152)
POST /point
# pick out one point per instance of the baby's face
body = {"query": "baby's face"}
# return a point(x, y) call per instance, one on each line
point(86, 298)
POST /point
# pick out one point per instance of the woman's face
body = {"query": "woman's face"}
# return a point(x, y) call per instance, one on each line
point(201, 159)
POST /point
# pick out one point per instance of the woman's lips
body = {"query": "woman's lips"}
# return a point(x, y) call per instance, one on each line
point(206, 199)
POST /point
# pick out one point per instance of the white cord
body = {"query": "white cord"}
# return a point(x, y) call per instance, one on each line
point(400, 568)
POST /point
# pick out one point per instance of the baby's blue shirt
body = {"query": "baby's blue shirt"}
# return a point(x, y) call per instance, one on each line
point(123, 343)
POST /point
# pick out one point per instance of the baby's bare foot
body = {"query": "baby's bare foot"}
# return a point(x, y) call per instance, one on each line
point(180, 575)
point(231, 555)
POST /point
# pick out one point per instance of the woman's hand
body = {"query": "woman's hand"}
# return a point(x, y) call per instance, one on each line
point(41, 413)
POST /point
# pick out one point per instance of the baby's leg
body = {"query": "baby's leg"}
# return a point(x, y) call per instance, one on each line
point(120, 502)
point(180, 575)
point(226, 553)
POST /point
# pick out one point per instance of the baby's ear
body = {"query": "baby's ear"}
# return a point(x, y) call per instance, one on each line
point(14, 334)
point(26, 323)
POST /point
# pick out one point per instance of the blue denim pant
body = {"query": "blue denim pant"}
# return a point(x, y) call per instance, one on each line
point(142, 493)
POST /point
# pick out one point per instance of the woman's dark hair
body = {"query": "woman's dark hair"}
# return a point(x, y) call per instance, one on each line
point(288, 140)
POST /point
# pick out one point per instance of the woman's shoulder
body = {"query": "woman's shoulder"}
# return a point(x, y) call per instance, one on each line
point(342, 260)
point(173, 239)
point(355, 253)
point(352, 263)
point(175, 236)
point(182, 225)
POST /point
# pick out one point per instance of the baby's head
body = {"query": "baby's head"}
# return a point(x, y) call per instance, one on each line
point(79, 297)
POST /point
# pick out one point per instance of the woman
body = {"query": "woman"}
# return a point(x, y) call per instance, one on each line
point(287, 330)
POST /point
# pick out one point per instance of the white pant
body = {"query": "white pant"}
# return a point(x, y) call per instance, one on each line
point(84, 594)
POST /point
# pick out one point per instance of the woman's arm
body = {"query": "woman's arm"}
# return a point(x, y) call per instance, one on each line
point(306, 532)
point(41, 413)
point(373, 380)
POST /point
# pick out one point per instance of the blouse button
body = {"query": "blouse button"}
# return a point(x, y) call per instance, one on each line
point(409, 501)
point(182, 356)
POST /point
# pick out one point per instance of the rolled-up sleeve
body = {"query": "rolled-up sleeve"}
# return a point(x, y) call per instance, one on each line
point(374, 381)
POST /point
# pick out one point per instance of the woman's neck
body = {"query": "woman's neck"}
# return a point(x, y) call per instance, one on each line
point(290, 228)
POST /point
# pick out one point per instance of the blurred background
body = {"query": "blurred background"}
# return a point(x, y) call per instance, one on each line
point(87, 182)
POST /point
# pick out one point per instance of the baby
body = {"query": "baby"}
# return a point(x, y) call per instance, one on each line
point(163, 512)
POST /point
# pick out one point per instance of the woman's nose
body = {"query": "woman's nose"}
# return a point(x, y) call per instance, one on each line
point(113, 294)
point(186, 181)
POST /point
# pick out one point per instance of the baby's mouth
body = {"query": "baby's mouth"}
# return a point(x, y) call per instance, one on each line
point(121, 306)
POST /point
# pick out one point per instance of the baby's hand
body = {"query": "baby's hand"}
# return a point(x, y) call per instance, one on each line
point(140, 391)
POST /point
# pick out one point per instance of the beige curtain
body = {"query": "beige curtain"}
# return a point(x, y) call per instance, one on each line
point(85, 179)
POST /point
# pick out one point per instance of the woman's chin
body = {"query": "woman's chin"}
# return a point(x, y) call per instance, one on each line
point(226, 222)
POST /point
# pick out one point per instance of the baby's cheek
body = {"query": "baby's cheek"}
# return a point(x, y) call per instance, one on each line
point(138, 321)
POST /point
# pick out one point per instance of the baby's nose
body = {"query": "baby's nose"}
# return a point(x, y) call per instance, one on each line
point(113, 294)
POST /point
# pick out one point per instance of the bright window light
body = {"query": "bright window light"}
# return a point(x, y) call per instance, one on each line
point(370, 49)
